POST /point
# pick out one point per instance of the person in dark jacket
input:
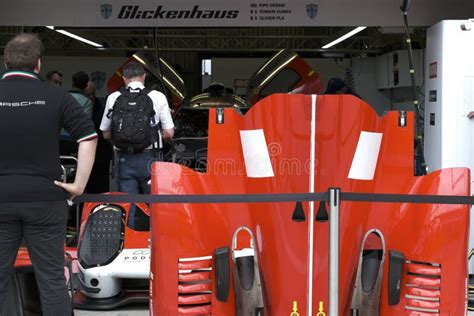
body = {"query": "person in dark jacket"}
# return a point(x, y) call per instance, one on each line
point(99, 180)
point(79, 84)
point(68, 145)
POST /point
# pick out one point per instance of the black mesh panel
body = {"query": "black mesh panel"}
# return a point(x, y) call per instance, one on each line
point(103, 236)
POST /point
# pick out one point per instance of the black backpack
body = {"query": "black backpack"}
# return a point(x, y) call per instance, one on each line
point(133, 121)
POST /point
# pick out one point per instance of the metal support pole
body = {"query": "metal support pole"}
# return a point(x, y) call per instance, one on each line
point(334, 204)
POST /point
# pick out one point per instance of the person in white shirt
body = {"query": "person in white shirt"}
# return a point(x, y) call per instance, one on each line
point(133, 169)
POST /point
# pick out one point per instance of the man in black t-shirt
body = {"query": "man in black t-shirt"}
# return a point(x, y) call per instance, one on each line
point(32, 199)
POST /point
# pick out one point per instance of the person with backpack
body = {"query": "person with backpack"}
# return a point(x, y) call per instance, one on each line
point(131, 119)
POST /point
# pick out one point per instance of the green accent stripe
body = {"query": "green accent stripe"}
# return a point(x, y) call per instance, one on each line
point(19, 73)
point(90, 136)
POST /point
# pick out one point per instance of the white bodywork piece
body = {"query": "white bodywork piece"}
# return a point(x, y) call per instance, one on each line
point(129, 264)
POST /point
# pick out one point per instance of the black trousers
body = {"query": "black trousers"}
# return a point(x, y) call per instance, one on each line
point(99, 178)
point(43, 226)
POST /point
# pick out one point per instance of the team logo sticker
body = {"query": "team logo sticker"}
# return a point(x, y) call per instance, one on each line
point(106, 10)
point(312, 10)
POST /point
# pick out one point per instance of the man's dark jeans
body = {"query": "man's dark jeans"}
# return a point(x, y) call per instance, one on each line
point(43, 227)
point(134, 172)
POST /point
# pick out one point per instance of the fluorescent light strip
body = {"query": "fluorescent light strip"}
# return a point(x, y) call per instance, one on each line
point(345, 36)
point(76, 37)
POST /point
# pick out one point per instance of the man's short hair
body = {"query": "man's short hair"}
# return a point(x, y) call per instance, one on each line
point(133, 70)
point(80, 80)
point(50, 74)
point(23, 52)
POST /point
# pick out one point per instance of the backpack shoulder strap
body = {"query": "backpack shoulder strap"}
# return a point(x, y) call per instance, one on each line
point(110, 111)
point(124, 90)
point(146, 90)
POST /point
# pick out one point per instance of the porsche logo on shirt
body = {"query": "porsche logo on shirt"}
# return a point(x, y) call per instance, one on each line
point(21, 103)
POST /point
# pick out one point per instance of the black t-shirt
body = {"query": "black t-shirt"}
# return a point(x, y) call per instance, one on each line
point(32, 114)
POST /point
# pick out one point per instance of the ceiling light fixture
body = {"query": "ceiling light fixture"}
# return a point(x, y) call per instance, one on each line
point(76, 37)
point(345, 36)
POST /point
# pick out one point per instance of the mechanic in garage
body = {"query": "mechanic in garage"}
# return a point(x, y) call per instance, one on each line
point(133, 168)
point(32, 201)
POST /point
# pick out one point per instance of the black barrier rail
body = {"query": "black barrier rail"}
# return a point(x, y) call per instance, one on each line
point(274, 197)
point(201, 198)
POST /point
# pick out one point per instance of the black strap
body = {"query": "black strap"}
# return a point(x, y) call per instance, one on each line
point(205, 198)
point(275, 197)
point(407, 198)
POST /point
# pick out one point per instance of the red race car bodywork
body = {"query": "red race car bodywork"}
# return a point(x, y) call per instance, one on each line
point(312, 144)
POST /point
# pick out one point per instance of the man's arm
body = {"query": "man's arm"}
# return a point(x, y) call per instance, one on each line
point(85, 162)
point(105, 123)
point(167, 133)
point(163, 115)
point(107, 134)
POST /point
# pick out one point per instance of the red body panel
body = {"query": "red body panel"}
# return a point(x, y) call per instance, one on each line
point(434, 234)
point(23, 258)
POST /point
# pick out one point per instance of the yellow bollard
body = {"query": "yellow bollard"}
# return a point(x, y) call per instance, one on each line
point(321, 310)
point(295, 309)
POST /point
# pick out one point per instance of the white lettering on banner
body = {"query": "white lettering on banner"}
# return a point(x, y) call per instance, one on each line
point(211, 13)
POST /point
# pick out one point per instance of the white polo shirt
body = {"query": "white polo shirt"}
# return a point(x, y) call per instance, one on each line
point(160, 106)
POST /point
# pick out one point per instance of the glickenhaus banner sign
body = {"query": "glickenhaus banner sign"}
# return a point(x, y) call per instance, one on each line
point(225, 13)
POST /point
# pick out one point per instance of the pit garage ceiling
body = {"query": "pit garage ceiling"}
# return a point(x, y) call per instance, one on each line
point(233, 42)
point(218, 13)
point(225, 27)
